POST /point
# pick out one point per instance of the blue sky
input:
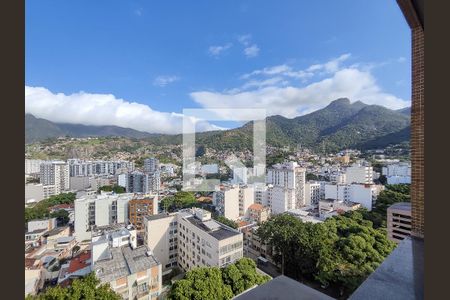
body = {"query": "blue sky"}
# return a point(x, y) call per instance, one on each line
point(138, 64)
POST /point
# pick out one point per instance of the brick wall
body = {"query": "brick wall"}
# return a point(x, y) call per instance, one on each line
point(417, 117)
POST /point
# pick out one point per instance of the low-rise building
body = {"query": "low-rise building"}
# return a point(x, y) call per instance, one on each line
point(47, 224)
point(258, 213)
point(34, 277)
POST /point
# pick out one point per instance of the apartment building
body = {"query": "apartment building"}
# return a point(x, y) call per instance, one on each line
point(233, 201)
point(90, 168)
point(288, 187)
point(47, 224)
point(261, 194)
point(365, 194)
point(151, 165)
point(140, 207)
point(138, 182)
point(399, 221)
point(359, 173)
point(132, 272)
point(397, 173)
point(99, 210)
point(312, 193)
point(333, 207)
point(240, 175)
point(258, 213)
point(190, 238)
point(55, 173)
point(33, 166)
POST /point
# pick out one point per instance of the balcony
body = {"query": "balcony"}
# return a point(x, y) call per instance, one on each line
point(399, 277)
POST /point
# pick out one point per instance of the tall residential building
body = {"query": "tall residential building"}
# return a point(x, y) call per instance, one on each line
point(99, 210)
point(399, 221)
point(33, 166)
point(132, 272)
point(140, 207)
point(359, 173)
point(190, 238)
point(55, 173)
point(79, 167)
point(240, 175)
point(233, 201)
point(312, 193)
point(138, 182)
point(288, 187)
point(151, 165)
point(261, 194)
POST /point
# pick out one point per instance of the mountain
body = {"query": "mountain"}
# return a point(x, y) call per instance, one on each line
point(406, 110)
point(339, 125)
point(37, 129)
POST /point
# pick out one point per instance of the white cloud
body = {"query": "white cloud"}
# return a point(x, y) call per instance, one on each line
point(245, 39)
point(103, 109)
point(218, 50)
point(251, 51)
point(164, 80)
point(273, 93)
point(401, 59)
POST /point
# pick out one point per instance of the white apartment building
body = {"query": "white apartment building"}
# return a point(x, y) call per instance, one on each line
point(312, 193)
point(47, 224)
point(89, 168)
point(397, 173)
point(147, 183)
point(358, 173)
point(261, 194)
point(33, 166)
point(365, 194)
point(288, 187)
point(233, 201)
point(38, 192)
point(99, 210)
point(55, 173)
point(240, 175)
point(190, 238)
point(131, 271)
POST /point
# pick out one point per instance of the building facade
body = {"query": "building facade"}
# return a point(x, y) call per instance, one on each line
point(140, 207)
point(55, 173)
point(399, 221)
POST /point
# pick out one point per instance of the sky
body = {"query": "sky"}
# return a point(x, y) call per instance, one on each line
point(138, 64)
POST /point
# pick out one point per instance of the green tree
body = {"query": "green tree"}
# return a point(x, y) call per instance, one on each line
point(88, 287)
point(225, 221)
point(62, 217)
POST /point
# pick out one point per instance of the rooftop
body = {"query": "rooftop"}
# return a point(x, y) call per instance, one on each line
point(283, 287)
point(124, 262)
point(256, 206)
point(80, 261)
point(406, 206)
point(217, 230)
point(158, 216)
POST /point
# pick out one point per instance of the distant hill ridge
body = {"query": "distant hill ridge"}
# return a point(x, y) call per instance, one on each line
point(339, 125)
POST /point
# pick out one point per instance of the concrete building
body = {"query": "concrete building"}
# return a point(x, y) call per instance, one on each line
point(190, 238)
point(79, 183)
point(33, 166)
point(261, 194)
point(240, 175)
point(332, 207)
point(151, 165)
point(91, 168)
point(359, 173)
point(34, 193)
point(397, 173)
point(288, 191)
point(140, 207)
point(365, 194)
point(258, 213)
point(138, 182)
point(399, 221)
point(210, 169)
point(99, 210)
point(233, 201)
point(46, 225)
point(312, 193)
point(132, 272)
point(55, 173)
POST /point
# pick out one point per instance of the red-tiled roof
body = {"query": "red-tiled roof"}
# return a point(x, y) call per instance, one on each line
point(256, 206)
point(61, 206)
point(79, 262)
